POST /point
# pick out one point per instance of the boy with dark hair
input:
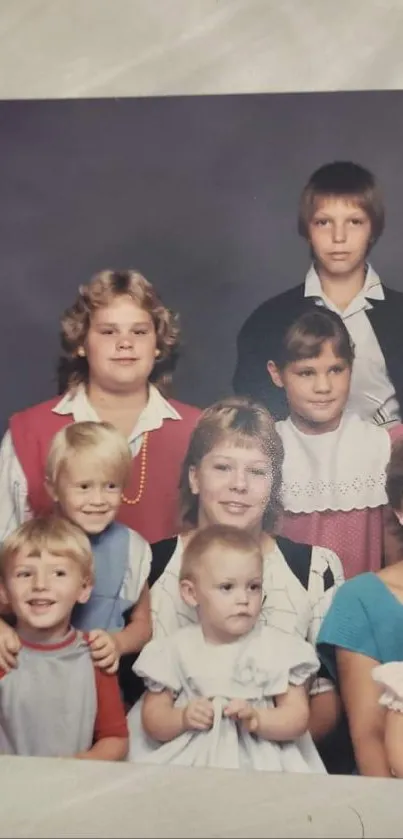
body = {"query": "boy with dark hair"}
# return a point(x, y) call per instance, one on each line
point(341, 215)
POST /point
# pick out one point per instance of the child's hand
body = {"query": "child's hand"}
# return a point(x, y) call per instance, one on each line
point(104, 650)
point(241, 711)
point(198, 714)
point(10, 646)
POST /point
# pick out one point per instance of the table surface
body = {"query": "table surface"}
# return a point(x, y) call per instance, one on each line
point(42, 797)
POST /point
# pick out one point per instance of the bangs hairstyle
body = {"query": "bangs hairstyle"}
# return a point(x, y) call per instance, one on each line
point(347, 180)
point(102, 290)
point(53, 534)
point(221, 537)
point(99, 443)
point(306, 336)
point(244, 423)
point(394, 477)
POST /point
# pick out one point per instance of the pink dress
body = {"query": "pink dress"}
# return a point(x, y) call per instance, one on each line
point(355, 535)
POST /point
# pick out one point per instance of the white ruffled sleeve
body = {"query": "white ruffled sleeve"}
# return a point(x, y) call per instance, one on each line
point(303, 663)
point(156, 664)
point(390, 678)
point(277, 661)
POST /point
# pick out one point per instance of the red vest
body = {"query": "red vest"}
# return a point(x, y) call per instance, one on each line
point(156, 516)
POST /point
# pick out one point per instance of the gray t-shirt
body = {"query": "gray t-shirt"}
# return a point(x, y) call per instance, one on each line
point(48, 704)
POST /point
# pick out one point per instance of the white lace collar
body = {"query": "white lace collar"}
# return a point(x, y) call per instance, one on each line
point(339, 470)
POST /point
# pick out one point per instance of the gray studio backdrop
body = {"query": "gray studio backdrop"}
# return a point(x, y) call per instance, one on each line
point(198, 193)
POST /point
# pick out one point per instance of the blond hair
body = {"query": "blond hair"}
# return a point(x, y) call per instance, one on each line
point(216, 536)
point(99, 442)
point(245, 423)
point(102, 289)
point(53, 534)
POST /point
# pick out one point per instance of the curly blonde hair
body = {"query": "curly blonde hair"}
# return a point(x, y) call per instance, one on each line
point(246, 423)
point(102, 289)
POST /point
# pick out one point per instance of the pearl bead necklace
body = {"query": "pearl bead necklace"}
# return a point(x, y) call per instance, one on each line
point(143, 470)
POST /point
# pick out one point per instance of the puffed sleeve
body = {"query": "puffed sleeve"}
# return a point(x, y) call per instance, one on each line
point(390, 678)
point(276, 660)
point(304, 663)
point(157, 665)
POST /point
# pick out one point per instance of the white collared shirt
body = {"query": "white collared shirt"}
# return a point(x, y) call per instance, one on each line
point(14, 506)
point(152, 416)
point(372, 394)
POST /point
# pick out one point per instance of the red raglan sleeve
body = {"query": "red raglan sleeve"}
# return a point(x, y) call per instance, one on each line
point(111, 718)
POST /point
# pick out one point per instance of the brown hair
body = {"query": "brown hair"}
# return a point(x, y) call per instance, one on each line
point(54, 534)
point(247, 423)
point(101, 291)
point(304, 338)
point(343, 179)
point(220, 536)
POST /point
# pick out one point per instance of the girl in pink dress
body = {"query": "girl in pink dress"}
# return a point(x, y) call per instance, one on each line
point(334, 467)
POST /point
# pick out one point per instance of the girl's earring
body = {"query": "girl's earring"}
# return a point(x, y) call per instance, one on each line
point(157, 353)
point(81, 352)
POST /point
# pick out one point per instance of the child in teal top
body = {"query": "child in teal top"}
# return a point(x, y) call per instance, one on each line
point(362, 629)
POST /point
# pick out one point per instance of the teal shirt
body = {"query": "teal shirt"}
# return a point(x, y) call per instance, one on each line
point(364, 617)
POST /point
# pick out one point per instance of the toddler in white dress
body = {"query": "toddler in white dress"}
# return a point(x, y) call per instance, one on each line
point(227, 692)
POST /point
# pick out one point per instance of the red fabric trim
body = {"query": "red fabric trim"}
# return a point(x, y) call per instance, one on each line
point(111, 719)
point(69, 639)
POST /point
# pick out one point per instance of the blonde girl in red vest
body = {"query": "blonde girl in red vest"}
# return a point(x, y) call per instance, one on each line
point(119, 347)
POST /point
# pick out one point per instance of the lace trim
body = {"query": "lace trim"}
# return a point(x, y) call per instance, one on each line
point(360, 493)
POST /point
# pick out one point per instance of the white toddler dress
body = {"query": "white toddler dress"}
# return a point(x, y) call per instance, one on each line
point(255, 668)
